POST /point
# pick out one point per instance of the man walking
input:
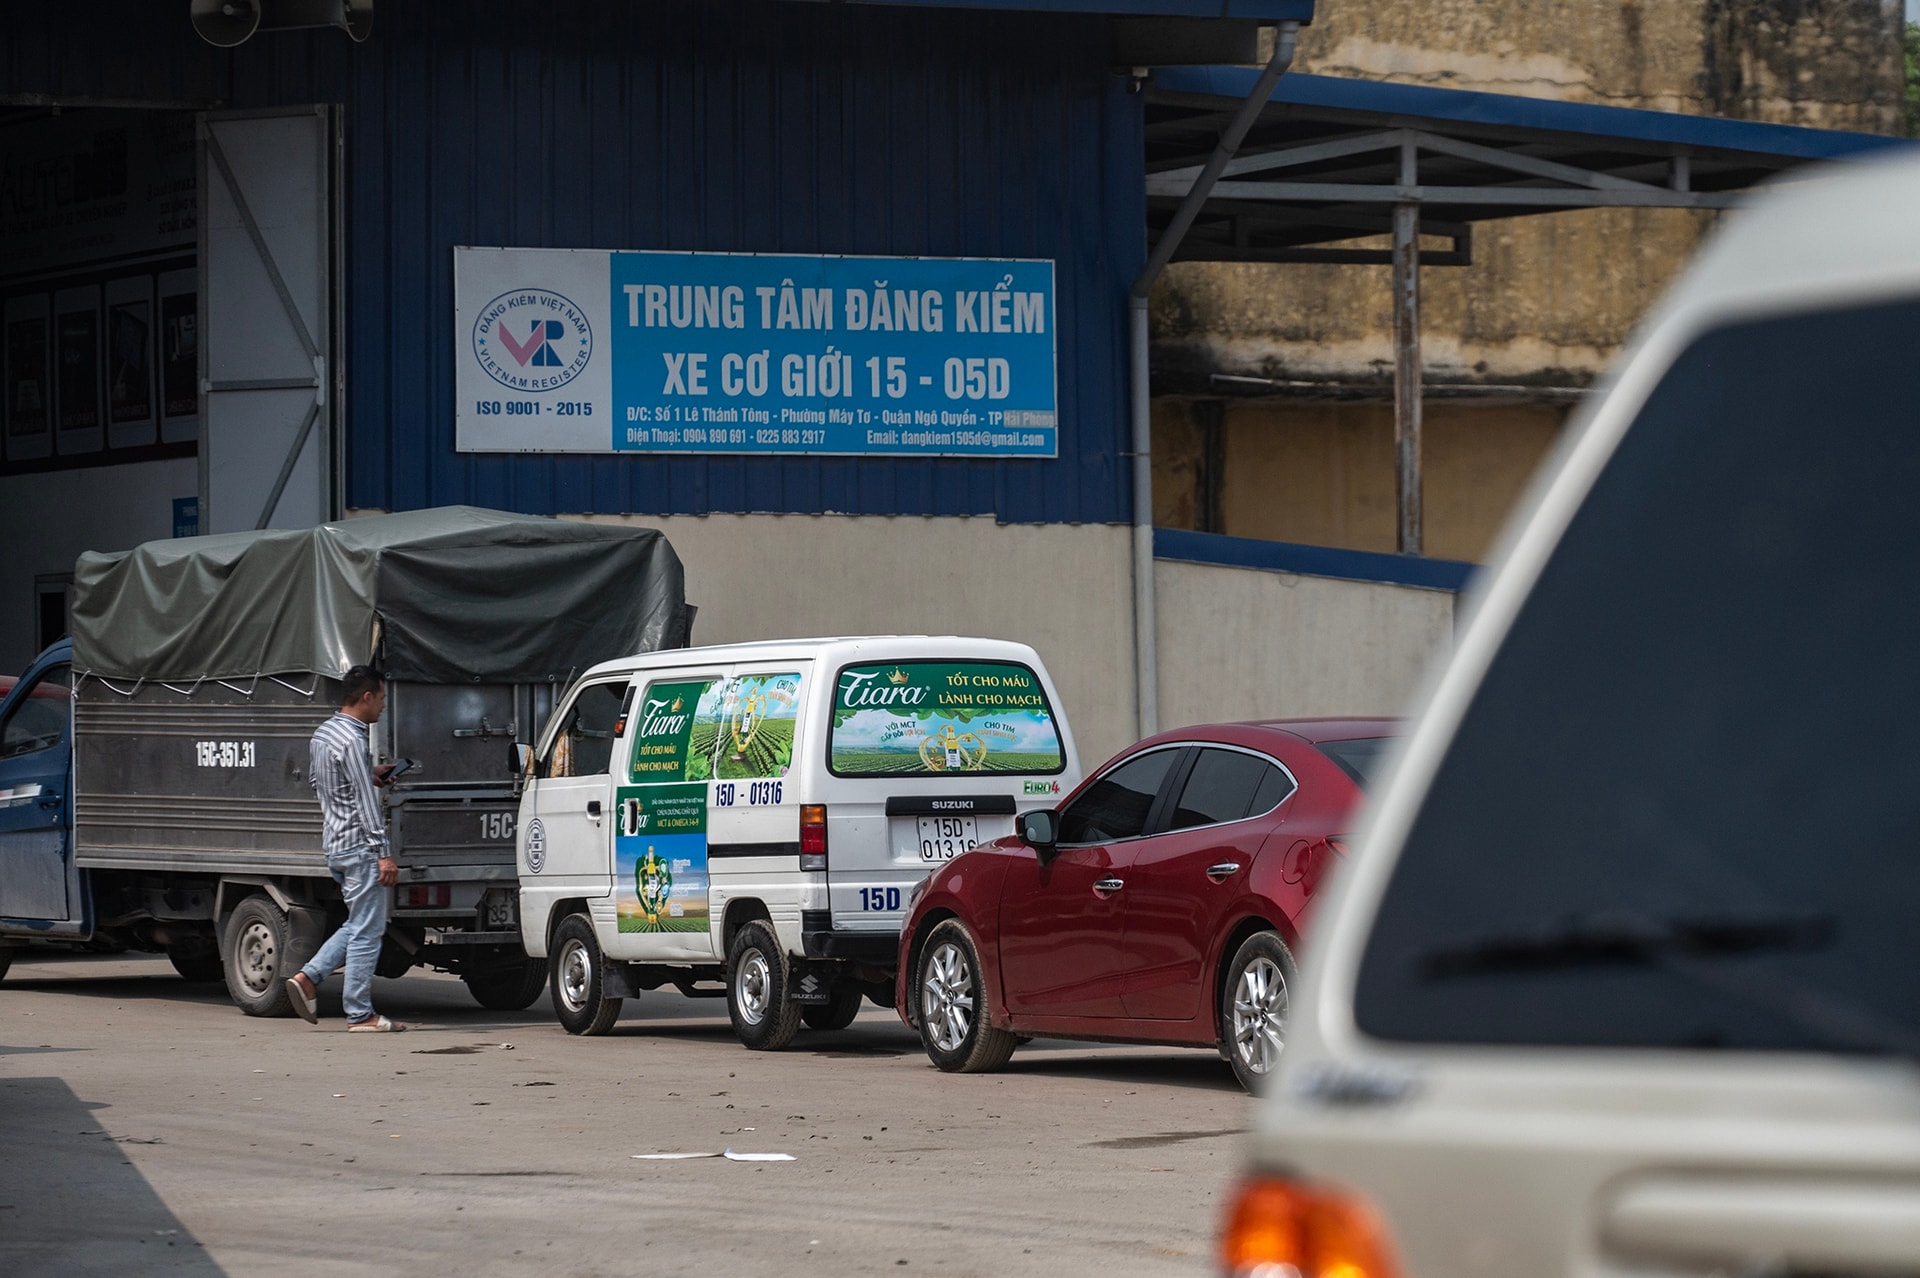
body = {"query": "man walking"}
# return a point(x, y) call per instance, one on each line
point(355, 840)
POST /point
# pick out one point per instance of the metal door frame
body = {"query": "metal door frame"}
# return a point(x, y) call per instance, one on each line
point(326, 348)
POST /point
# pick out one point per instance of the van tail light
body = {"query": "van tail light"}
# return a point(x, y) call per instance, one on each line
point(1288, 1227)
point(426, 896)
point(813, 836)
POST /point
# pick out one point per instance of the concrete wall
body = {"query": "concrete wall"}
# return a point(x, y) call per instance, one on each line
point(1239, 643)
point(1234, 643)
point(1067, 590)
point(51, 518)
point(1322, 473)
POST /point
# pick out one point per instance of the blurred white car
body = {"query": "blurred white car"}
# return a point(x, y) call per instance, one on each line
point(1625, 978)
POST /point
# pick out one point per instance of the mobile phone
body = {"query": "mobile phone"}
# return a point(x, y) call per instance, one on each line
point(402, 765)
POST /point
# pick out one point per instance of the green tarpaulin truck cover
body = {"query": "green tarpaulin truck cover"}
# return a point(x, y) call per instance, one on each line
point(454, 595)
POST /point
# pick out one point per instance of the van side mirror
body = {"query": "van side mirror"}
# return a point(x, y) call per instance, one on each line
point(1040, 830)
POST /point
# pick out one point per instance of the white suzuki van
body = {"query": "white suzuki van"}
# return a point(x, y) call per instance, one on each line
point(756, 815)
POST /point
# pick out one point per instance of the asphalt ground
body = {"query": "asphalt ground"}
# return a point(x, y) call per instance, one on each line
point(147, 1126)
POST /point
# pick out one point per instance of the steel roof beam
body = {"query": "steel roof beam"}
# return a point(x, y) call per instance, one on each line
point(1516, 197)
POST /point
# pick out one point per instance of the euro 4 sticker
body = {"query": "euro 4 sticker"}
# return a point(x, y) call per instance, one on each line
point(660, 859)
point(937, 718)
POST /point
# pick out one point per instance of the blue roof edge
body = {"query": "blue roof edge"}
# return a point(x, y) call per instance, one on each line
point(1467, 106)
point(1246, 10)
point(1223, 551)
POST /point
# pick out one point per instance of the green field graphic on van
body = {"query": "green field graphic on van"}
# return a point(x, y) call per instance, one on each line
point(928, 718)
point(743, 728)
point(660, 859)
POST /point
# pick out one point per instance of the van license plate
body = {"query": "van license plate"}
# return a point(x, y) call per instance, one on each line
point(943, 838)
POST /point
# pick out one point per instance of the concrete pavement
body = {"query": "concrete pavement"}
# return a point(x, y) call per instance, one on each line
point(148, 1126)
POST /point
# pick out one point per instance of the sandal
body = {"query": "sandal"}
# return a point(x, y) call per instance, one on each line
point(378, 1025)
point(302, 1001)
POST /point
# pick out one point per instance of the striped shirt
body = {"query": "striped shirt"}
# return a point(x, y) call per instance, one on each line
point(342, 775)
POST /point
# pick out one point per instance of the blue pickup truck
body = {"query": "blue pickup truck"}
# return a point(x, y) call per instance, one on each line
point(153, 769)
point(38, 880)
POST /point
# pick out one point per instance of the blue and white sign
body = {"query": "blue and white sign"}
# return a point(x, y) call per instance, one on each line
point(677, 353)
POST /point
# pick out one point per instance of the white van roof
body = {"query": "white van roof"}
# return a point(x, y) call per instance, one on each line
point(838, 648)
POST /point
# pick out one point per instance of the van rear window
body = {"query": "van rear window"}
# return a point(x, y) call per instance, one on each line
point(930, 718)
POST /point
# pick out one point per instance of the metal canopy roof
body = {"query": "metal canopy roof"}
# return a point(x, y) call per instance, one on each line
point(1256, 10)
point(1328, 159)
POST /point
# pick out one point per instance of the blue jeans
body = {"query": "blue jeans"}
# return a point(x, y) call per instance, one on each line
point(357, 943)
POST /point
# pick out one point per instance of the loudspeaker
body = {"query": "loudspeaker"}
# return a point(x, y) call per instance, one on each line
point(226, 23)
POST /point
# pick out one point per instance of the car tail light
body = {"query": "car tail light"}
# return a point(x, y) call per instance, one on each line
point(1287, 1227)
point(813, 836)
point(426, 896)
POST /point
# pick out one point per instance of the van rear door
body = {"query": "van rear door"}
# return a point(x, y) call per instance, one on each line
point(942, 751)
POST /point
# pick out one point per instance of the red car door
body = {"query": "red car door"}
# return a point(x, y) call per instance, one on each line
point(1060, 923)
point(1183, 882)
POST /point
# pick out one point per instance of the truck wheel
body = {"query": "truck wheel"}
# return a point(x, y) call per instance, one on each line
point(764, 1018)
point(256, 952)
point(579, 980)
point(954, 1018)
point(197, 965)
point(509, 989)
point(1254, 1006)
point(835, 1014)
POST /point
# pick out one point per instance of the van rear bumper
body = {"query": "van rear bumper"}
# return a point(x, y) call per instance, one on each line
point(819, 940)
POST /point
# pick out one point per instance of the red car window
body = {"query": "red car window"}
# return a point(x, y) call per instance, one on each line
point(1222, 787)
point(1116, 806)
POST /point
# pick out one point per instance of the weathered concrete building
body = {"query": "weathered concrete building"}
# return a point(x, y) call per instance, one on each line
point(1273, 414)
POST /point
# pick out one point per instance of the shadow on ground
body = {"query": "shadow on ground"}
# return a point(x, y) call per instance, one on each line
point(70, 1202)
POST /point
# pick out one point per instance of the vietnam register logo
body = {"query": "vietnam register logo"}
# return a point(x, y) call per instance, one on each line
point(532, 339)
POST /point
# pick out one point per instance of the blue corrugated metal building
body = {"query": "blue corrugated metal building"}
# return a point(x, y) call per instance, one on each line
point(160, 380)
point(1000, 130)
point(725, 125)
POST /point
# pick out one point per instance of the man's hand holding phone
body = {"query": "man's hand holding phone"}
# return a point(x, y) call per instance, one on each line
point(387, 772)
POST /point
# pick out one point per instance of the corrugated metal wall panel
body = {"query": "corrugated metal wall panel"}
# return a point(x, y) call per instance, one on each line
point(726, 125)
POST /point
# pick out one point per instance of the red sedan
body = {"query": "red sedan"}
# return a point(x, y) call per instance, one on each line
point(1159, 904)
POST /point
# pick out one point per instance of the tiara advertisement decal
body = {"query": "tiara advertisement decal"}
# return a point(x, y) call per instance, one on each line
point(938, 718)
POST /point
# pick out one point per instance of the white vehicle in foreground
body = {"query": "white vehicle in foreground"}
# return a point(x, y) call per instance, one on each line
point(1625, 977)
point(755, 816)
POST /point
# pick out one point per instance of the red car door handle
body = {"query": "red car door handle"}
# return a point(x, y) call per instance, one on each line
point(1223, 870)
point(1107, 887)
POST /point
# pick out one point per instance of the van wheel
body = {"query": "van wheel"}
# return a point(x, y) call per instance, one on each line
point(955, 1023)
point(836, 1013)
point(256, 958)
point(1254, 1007)
point(509, 989)
point(764, 1018)
point(579, 980)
